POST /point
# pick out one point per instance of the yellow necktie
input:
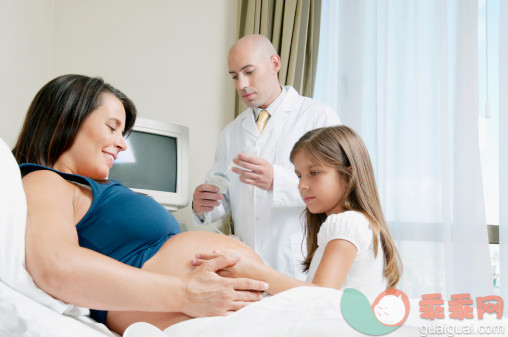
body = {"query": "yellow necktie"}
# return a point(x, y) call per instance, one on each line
point(261, 123)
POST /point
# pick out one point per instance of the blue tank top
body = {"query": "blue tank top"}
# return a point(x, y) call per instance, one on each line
point(124, 225)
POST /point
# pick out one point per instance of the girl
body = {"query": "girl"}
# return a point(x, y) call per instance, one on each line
point(348, 242)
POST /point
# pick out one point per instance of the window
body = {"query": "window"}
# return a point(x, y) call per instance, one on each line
point(488, 59)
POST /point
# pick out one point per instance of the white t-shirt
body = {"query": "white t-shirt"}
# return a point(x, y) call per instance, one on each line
point(366, 272)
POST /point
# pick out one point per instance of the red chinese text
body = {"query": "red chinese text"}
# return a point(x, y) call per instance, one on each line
point(431, 306)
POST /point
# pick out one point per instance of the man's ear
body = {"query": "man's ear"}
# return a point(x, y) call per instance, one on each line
point(275, 63)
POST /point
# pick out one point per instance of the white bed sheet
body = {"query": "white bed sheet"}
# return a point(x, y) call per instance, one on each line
point(303, 311)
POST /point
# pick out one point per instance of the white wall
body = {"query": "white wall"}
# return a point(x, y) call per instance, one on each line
point(25, 44)
point(168, 56)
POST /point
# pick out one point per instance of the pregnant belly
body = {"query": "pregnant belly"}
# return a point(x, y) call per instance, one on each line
point(174, 258)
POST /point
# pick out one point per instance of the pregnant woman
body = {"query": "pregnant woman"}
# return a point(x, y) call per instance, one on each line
point(94, 243)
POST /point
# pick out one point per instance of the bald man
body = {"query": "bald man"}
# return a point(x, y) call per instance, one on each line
point(263, 192)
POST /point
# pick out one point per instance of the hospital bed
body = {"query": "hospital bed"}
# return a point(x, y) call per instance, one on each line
point(26, 311)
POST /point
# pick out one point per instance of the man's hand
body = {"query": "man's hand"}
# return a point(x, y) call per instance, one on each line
point(208, 294)
point(205, 198)
point(259, 172)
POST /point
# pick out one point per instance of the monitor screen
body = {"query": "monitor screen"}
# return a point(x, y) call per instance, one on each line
point(149, 163)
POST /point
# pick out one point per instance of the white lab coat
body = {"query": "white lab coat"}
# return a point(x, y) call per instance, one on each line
point(270, 222)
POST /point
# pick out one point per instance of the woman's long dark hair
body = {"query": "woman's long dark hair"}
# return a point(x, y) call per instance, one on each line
point(56, 114)
point(342, 148)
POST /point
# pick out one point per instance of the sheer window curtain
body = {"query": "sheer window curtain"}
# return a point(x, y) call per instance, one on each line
point(404, 74)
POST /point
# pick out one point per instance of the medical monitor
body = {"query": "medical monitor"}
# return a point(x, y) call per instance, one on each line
point(156, 162)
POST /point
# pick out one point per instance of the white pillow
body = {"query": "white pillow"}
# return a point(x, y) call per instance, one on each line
point(23, 317)
point(12, 237)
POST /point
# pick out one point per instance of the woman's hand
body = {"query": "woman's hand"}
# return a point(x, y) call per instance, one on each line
point(208, 294)
point(245, 267)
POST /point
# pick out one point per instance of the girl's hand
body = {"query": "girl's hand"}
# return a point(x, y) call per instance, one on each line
point(245, 267)
point(250, 268)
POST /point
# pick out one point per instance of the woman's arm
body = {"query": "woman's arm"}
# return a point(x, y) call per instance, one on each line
point(337, 258)
point(77, 275)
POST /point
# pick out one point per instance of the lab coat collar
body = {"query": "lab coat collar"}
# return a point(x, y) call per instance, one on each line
point(290, 100)
point(249, 123)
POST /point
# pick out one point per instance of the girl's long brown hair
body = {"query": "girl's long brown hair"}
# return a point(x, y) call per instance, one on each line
point(342, 148)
